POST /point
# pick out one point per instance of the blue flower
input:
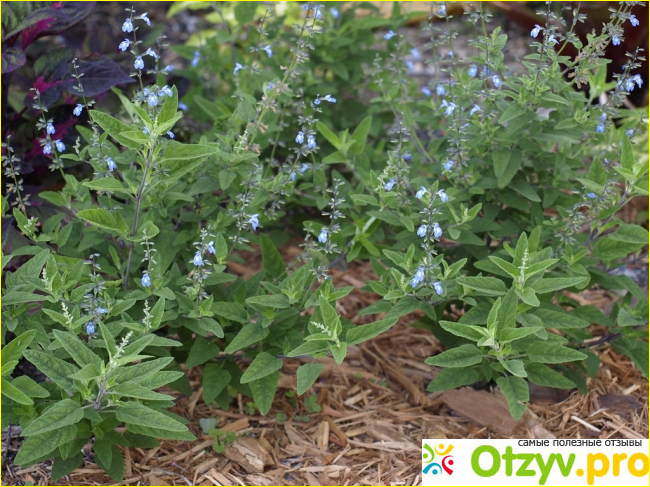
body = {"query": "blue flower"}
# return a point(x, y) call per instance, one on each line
point(602, 117)
point(421, 192)
point(422, 231)
point(124, 45)
point(237, 68)
point(449, 107)
point(196, 59)
point(418, 278)
point(152, 53)
point(600, 128)
point(169, 68)
point(317, 13)
point(630, 133)
point(329, 98)
point(152, 100)
point(442, 10)
point(443, 196)
point(304, 167)
point(300, 138)
point(322, 236)
point(335, 13)
point(292, 176)
point(415, 53)
point(77, 110)
point(634, 21)
point(170, 134)
point(474, 109)
point(472, 70)
point(145, 130)
point(629, 84)
point(616, 40)
point(437, 231)
point(49, 128)
point(591, 195)
point(102, 311)
point(407, 157)
point(90, 328)
point(145, 18)
point(165, 91)
point(254, 222)
point(197, 260)
point(146, 280)
point(535, 32)
point(111, 164)
point(127, 26)
point(389, 35)
point(448, 165)
point(389, 185)
point(496, 80)
point(268, 50)
point(410, 66)
point(211, 248)
point(438, 288)
point(638, 80)
point(552, 40)
point(311, 142)
point(440, 90)
point(316, 101)
point(426, 91)
point(139, 63)
point(270, 85)
point(60, 146)
point(182, 106)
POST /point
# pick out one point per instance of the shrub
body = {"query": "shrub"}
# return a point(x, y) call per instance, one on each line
point(478, 199)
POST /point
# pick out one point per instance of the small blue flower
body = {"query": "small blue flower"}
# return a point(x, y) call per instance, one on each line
point(407, 157)
point(474, 109)
point(437, 231)
point(426, 91)
point(300, 138)
point(304, 167)
point(170, 134)
point(602, 117)
point(448, 165)
point(237, 68)
point(600, 128)
point(254, 222)
point(638, 80)
point(165, 91)
point(442, 10)
point(389, 35)
point(169, 68)
point(90, 328)
point(335, 13)
point(145, 18)
point(111, 164)
point(448, 106)
point(124, 45)
point(196, 59)
point(139, 63)
point(152, 100)
point(145, 130)
point(438, 288)
point(629, 84)
point(49, 128)
point(182, 106)
point(270, 85)
point(77, 110)
point(630, 133)
point(389, 185)
point(422, 231)
point(198, 259)
point(410, 66)
point(552, 40)
point(329, 98)
point(634, 21)
point(440, 90)
point(535, 32)
point(421, 192)
point(472, 70)
point(60, 146)
point(152, 53)
point(616, 40)
point(146, 280)
point(419, 275)
point(311, 142)
point(317, 13)
point(268, 50)
point(591, 196)
point(211, 248)
point(316, 101)
point(322, 236)
point(443, 196)
point(415, 53)
point(292, 176)
point(496, 80)
point(127, 26)
point(102, 311)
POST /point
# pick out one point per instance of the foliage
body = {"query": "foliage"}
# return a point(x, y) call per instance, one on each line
point(486, 199)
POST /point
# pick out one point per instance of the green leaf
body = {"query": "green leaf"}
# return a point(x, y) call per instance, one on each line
point(549, 353)
point(462, 356)
point(14, 349)
point(555, 283)
point(264, 391)
point(331, 137)
point(488, 285)
point(339, 351)
point(331, 319)
point(307, 375)
point(274, 267)
point(362, 333)
point(61, 414)
point(139, 372)
point(56, 369)
point(169, 108)
point(507, 311)
point(511, 269)
point(109, 185)
point(627, 156)
point(249, 334)
point(226, 178)
point(114, 128)
point(278, 301)
point(545, 376)
point(230, 310)
point(364, 199)
point(160, 432)
point(214, 380)
point(513, 111)
point(528, 296)
point(506, 164)
point(515, 367)
point(261, 366)
point(103, 219)
point(61, 468)
point(131, 389)
point(512, 334)
point(452, 379)
point(471, 332)
point(516, 391)
point(245, 12)
point(29, 387)
point(116, 467)
point(202, 350)
point(221, 247)
point(18, 297)
point(554, 317)
point(15, 394)
point(79, 352)
point(360, 135)
point(139, 414)
point(522, 187)
point(39, 446)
